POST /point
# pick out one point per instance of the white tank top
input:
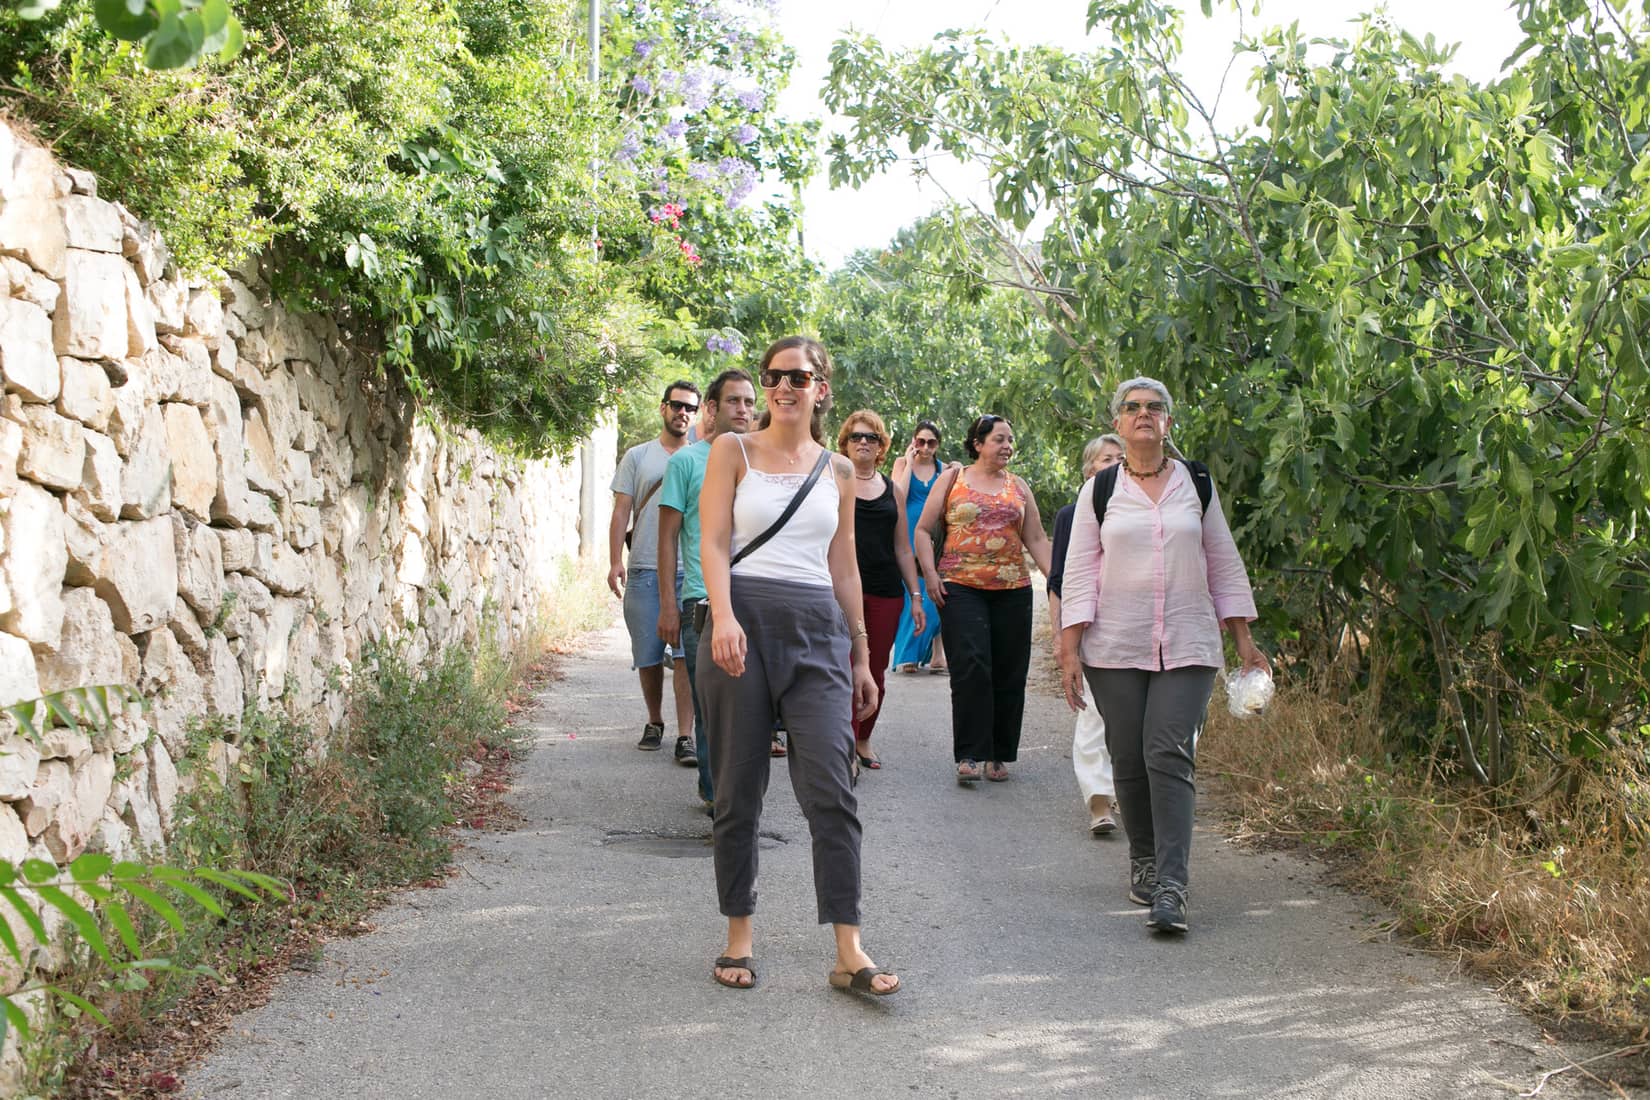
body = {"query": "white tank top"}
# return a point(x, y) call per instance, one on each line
point(797, 552)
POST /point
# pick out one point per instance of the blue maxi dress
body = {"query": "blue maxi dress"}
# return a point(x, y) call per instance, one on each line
point(910, 649)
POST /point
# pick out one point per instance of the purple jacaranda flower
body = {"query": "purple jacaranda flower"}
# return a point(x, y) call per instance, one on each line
point(643, 48)
point(641, 86)
point(746, 134)
point(696, 88)
point(628, 149)
point(675, 130)
point(728, 345)
point(699, 170)
point(751, 99)
point(737, 183)
point(670, 79)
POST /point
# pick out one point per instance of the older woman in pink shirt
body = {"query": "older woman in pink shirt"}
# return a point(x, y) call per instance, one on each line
point(1146, 594)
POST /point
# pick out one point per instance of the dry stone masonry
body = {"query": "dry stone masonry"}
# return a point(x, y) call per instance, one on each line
point(212, 499)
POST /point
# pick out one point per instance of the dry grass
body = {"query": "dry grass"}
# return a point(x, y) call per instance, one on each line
point(579, 602)
point(1548, 897)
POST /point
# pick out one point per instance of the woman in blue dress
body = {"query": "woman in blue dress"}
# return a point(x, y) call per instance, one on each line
point(915, 473)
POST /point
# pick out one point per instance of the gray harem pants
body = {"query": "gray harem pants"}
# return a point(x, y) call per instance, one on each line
point(797, 670)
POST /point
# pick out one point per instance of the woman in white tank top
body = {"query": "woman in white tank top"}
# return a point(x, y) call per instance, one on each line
point(785, 641)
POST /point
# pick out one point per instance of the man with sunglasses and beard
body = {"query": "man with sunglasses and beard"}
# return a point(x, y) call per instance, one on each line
point(636, 488)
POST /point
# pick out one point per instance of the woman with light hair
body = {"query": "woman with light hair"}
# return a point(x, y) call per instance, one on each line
point(1151, 546)
point(1091, 764)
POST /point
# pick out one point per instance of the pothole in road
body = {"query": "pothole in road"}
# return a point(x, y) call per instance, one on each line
point(675, 845)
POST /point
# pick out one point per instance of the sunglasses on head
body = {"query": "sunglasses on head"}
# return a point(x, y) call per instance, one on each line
point(683, 406)
point(797, 379)
point(865, 437)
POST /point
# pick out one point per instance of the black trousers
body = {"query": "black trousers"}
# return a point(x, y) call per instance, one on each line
point(988, 639)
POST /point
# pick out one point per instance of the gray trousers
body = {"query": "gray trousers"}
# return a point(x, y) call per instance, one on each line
point(1153, 723)
point(797, 670)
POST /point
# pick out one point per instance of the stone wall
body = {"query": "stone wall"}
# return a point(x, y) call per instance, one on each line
point(217, 501)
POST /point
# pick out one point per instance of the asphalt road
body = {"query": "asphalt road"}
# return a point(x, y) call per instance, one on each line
point(572, 957)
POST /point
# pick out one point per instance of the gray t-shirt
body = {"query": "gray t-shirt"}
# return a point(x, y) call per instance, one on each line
point(640, 469)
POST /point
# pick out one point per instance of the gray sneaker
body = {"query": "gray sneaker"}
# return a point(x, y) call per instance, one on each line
point(684, 752)
point(1169, 912)
point(1144, 877)
point(652, 734)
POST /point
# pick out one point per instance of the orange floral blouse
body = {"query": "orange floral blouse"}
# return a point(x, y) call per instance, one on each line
point(983, 537)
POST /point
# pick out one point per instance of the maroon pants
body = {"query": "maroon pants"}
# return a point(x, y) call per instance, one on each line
point(883, 615)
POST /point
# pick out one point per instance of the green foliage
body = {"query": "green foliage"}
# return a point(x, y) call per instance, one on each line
point(173, 34)
point(912, 343)
point(414, 725)
point(344, 820)
point(100, 898)
point(1405, 318)
point(444, 178)
point(324, 828)
point(97, 705)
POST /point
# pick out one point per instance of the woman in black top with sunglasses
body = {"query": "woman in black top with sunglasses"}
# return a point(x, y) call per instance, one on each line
point(884, 552)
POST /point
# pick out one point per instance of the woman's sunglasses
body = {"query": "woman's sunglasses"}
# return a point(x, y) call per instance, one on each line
point(798, 379)
point(926, 443)
point(865, 437)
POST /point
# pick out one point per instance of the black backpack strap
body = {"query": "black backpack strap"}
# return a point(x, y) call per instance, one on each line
point(1201, 482)
point(791, 507)
point(1102, 492)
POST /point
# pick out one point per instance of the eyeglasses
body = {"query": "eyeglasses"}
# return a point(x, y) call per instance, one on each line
point(1131, 408)
point(798, 379)
point(865, 437)
point(926, 443)
point(683, 406)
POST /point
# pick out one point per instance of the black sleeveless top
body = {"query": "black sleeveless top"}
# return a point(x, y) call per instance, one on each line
point(875, 544)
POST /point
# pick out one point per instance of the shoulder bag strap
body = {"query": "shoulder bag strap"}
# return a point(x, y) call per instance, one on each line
point(791, 507)
point(643, 503)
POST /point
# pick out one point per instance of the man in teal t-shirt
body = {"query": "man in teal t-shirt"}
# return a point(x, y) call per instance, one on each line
point(733, 399)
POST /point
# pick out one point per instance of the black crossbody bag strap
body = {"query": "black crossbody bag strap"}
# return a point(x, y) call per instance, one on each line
point(792, 506)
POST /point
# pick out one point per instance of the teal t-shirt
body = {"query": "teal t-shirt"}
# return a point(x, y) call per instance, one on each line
point(684, 475)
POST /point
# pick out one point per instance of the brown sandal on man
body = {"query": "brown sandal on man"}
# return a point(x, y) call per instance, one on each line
point(861, 981)
point(968, 772)
point(724, 962)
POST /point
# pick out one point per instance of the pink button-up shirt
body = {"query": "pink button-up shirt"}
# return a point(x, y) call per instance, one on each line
point(1155, 585)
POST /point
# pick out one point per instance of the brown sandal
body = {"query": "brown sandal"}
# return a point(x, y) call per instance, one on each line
point(968, 772)
point(861, 981)
point(724, 962)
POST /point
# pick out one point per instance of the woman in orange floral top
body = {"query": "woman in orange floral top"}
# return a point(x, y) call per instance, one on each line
point(984, 594)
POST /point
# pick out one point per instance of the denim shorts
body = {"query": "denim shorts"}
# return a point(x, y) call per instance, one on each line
point(642, 618)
